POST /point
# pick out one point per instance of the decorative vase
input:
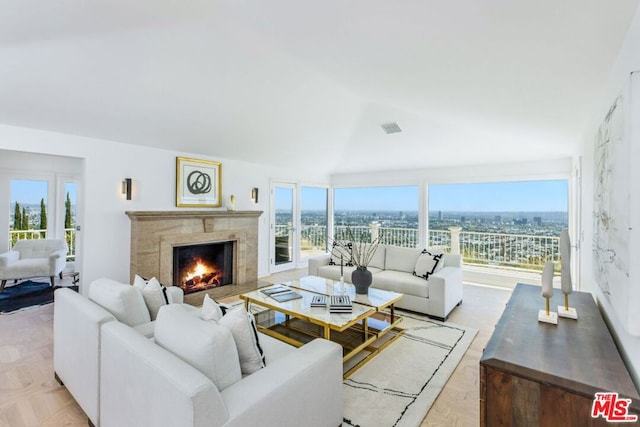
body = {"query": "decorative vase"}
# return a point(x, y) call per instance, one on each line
point(361, 279)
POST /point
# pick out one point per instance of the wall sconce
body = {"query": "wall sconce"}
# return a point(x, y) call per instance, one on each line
point(127, 187)
point(254, 195)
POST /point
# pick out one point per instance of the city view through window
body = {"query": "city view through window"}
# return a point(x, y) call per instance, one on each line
point(515, 224)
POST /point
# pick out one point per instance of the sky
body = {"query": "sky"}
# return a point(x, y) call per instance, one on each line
point(528, 196)
point(30, 192)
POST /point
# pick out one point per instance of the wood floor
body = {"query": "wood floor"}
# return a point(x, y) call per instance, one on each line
point(29, 395)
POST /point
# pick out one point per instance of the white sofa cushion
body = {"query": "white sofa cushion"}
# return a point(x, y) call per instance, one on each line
point(121, 300)
point(205, 345)
point(378, 258)
point(245, 334)
point(396, 281)
point(401, 259)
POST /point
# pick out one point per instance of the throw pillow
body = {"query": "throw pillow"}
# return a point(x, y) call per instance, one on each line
point(426, 264)
point(212, 310)
point(245, 334)
point(341, 253)
point(139, 283)
point(155, 296)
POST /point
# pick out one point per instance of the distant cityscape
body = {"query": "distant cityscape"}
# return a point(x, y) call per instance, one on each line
point(530, 223)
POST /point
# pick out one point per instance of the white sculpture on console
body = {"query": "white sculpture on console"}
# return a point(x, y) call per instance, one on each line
point(565, 276)
point(547, 292)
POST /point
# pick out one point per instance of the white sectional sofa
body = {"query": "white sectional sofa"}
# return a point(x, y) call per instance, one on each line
point(120, 376)
point(393, 267)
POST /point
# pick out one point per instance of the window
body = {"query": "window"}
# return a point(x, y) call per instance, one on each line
point(70, 218)
point(515, 224)
point(313, 221)
point(390, 213)
point(28, 217)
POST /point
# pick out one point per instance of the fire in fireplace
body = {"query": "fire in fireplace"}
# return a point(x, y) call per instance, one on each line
point(203, 266)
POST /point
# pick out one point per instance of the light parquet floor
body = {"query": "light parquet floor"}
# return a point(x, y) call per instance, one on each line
point(30, 396)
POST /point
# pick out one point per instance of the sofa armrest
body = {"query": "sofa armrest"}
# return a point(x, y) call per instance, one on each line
point(317, 262)
point(302, 388)
point(57, 261)
point(9, 258)
point(143, 384)
point(445, 291)
point(76, 343)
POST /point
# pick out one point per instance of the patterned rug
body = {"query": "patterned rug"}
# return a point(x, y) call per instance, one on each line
point(26, 294)
point(399, 385)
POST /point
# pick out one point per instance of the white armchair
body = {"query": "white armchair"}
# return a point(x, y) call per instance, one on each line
point(33, 258)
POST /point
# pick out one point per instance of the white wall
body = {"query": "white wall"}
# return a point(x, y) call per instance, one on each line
point(526, 171)
point(627, 62)
point(104, 239)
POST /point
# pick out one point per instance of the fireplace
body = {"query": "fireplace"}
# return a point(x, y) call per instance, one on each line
point(203, 266)
point(155, 234)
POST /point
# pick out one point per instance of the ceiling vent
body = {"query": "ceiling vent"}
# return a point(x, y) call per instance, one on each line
point(390, 128)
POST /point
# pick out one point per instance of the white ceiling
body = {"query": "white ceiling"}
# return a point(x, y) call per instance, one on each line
point(281, 81)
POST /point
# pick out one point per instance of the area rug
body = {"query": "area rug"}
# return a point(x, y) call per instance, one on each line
point(399, 385)
point(26, 294)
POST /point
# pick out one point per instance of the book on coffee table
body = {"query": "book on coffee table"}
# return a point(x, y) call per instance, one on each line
point(275, 290)
point(285, 296)
point(340, 304)
point(319, 301)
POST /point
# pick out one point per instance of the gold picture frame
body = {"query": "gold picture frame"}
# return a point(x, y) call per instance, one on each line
point(198, 183)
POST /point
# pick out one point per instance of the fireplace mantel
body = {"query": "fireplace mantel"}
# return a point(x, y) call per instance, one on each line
point(172, 215)
point(154, 233)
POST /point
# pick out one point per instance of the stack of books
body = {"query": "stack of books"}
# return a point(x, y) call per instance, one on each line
point(340, 304)
point(319, 301)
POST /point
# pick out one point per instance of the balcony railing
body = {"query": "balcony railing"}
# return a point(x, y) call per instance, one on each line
point(522, 251)
point(69, 234)
point(498, 249)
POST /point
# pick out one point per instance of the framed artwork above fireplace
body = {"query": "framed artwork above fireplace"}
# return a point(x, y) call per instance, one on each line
point(198, 183)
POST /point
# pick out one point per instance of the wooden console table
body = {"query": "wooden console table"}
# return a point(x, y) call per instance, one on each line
point(538, 374)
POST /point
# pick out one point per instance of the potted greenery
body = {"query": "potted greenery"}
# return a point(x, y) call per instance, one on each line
point(362, 253)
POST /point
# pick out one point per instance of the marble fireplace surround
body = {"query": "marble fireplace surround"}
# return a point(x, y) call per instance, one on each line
point(155, 233)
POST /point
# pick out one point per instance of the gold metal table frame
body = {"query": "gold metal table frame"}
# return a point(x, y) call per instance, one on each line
point(362, 333)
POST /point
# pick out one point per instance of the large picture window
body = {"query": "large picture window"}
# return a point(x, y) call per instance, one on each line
point(313, 221)
point(389, 213)
point(513, 224)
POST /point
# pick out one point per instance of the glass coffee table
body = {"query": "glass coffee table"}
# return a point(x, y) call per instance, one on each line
point(362, 333)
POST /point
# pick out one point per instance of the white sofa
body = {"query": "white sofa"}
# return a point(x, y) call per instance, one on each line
point(77, 323)
point(143, 384)
point(33, 258)
point(393, 270)
point(120, 377)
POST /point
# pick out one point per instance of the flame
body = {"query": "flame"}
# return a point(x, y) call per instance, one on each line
point(199, 270)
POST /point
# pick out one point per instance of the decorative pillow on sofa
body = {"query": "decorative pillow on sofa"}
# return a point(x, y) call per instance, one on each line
point(341, 254)
point(427, 264)
point(213, 310)
point(205, 345)
point(154, 294)
point(245, 334)
point(243, 328)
